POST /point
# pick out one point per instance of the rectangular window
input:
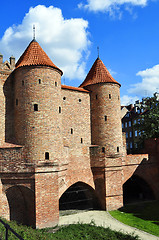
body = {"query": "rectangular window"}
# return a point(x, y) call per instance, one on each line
point(126, 134)
point(47, 155)
point(130, 134)
point(35, 107)
point(130, 144)
point(129, 123)
point(122, 125)
point(126, 124)
point(136, 133)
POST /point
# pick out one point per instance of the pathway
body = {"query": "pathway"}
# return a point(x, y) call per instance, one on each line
point(103, 218)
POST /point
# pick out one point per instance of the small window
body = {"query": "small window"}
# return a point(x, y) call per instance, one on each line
point(81, 140)
point(118, 98)
point(71, 130)
point(59, 109)
point(22, 83)
point(130, 134)
point(129, 123)
point(105, 118)
point(110, 96)
point(47, 155)
point(39, 81)
point(126, 134)
point(117, 149)
point(79, 100)
point(16, 102)
point(122, 125)
point(96, 96)
point(64, 98)
point(103, 149)
point(35, 107)
point(126, 124)
point(55, 84)
point(136, 133)
point(131, 146)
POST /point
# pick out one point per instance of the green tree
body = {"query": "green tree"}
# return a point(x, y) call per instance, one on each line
point(148, 121)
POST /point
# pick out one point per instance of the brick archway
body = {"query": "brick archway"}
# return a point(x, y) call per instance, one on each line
point(21, 204)
point(79, 196)
point(136, 189)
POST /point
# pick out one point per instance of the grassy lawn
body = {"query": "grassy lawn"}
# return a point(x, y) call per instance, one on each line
point(71, 232)
point(144, 216)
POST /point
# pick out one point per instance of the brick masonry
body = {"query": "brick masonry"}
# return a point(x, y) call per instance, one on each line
point(54, 136)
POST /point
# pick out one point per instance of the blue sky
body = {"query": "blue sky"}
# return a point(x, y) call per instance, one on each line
point(126, 31)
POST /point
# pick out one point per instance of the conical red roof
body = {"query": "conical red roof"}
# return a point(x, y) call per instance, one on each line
point(34, 55)
point(98, 74)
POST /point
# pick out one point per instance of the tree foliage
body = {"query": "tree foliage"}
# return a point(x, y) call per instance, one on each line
point(148, 121)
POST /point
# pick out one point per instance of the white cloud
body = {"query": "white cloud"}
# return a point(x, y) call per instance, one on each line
point(64, 40)
point(149, 83)
point(110, 5)
point(126, 100)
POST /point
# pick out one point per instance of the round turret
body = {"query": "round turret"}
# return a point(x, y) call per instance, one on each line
point(37, 103)
point(105, 109)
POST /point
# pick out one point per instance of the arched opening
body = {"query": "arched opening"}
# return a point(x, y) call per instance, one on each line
point(79, 196)
point(136, 189)
point(22, 205)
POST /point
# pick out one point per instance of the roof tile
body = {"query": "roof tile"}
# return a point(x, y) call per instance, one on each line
point(35, 55)
point(98, 74)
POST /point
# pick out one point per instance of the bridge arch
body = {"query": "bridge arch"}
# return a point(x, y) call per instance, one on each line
point(136, 189)
point(79, 196)
point(21, 205)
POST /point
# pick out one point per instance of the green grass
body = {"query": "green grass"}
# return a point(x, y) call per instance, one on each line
point(144, 216)
point(71, 232)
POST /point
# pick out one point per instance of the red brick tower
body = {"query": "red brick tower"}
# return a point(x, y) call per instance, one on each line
point(37, 126)
point(106, 132)
point(37, 99)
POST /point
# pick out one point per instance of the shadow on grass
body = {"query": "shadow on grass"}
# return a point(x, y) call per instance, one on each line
point(144, 210)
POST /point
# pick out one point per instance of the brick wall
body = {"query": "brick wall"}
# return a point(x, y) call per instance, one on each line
point(46, 196)
point(75, 163)
point(105, 117)
point(37, 120)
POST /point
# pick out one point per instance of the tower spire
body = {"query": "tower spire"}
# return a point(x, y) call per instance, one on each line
point(98, 51)
point(34, 32)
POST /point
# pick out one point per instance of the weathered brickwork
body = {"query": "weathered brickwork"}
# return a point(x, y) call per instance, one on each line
point(105, 117)
point(53, 137)
point(46, 196)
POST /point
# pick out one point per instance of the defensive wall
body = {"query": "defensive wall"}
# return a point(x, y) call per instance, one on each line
point(58, 141)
